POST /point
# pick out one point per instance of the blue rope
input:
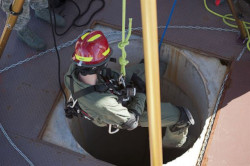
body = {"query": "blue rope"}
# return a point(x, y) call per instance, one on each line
point(169, 18)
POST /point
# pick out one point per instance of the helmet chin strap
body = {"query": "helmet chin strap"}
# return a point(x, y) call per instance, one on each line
point(87, 71)
point(93, 70)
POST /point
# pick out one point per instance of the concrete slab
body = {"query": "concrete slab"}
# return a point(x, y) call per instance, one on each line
point(197, 89)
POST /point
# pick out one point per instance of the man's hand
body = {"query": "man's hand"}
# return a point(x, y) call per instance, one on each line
point(132, 123)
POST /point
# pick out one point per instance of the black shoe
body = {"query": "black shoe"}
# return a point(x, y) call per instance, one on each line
point(31, 39)
point(186, 120)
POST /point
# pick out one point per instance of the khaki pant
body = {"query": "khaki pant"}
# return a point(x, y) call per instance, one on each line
point(24, 18)
point(170, 114)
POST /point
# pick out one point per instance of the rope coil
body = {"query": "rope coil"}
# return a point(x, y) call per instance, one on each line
point(228, 17)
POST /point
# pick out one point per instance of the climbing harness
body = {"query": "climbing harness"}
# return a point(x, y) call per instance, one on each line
point(118, 86)
point(72, 107)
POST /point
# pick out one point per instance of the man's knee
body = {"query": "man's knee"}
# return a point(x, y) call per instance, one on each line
point(174, 139)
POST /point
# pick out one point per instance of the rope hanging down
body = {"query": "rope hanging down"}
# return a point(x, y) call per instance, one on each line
point(122, 60)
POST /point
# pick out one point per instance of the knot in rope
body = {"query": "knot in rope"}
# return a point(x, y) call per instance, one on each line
point(123, 62)
point(125, 40)
point(122, 45)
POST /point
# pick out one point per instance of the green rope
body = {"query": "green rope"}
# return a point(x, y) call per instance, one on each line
point(124, 42)
point(227, 17)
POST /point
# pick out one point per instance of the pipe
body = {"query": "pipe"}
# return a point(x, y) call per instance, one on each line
point(10, 22)
point(243, 33)
point(151, 57)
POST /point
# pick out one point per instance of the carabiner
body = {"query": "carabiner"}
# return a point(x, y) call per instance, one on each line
point(121, 80)
point(73, 101)
point(110, 129)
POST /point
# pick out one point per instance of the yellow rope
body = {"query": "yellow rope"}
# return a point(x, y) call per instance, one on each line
point(124, 42)
point(228, 17)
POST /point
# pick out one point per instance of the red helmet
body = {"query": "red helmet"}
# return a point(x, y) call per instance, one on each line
point(91, 50)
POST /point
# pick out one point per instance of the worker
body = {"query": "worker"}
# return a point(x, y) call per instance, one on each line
point(24, 33)
point(107, 99)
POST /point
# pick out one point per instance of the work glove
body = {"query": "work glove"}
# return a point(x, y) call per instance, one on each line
point(132, 122)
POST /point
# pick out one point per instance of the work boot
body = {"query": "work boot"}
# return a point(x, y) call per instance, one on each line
point(31, 39)
point(44, 15)
point(186, 120)
point(176, 136)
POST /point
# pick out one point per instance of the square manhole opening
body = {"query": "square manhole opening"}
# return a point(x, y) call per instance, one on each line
point(191, 80)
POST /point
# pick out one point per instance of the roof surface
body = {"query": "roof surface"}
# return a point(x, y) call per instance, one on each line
point(28, 91)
